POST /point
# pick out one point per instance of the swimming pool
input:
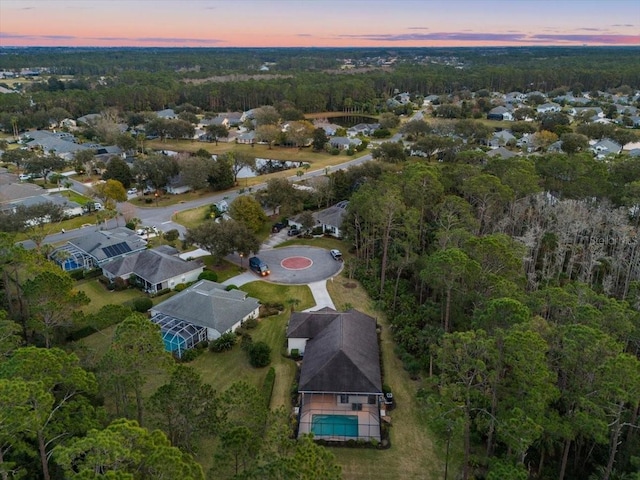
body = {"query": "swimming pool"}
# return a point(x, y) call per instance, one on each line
point(173, 342)
point(335, 425)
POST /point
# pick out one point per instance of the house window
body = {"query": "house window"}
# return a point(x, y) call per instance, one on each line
point(371, 400)
point(356, 406)
point(344, 398)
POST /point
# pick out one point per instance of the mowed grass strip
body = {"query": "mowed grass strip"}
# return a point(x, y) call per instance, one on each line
point(412, 455)
point(100, 296)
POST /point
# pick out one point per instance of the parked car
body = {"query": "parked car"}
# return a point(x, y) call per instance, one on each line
point(278, 226)
point(24, 176)
point(132, 191)
point(294, 232)
point(259, 266)
point(336, 254)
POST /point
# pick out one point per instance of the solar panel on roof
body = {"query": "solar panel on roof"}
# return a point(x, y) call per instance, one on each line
point(117, 249)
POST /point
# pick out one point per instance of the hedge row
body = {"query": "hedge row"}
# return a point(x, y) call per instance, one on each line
point(268, 384)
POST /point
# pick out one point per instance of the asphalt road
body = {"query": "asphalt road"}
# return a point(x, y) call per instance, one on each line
point(321, 265)
point(162, 217)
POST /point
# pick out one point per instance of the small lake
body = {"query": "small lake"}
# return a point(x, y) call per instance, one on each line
point(349, 120)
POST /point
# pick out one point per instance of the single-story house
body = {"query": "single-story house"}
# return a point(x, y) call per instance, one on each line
point(344, 143)
point(177, 185)
point(429, 99)
point(501, 152)
point(330, 129)
point(89, 119)
point(596, 111)
point(515, 97)
point(204, 311)
point(246, 138)
point(167, 114)
point(500, 113)
point(606, 147)
point(154, 270)
point(13, 192)
point(363, 129)
point(330, 219)
point(97, 248)
point(69, 208)
point(548, 108)
point(340, 385)
point(501, 138)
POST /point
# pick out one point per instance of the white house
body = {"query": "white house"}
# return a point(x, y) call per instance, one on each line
point(204, 311)
point(154, 270)
point(548, 108)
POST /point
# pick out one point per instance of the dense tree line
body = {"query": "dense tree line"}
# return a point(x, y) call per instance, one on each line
point(512, 290)
point(70, 413)
point(131, 85)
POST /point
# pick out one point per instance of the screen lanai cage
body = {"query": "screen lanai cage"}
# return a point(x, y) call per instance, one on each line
point(70, 257)
point(177, 335)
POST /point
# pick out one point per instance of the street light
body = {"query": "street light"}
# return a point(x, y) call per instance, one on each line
point(241, 258)
point(156, 195)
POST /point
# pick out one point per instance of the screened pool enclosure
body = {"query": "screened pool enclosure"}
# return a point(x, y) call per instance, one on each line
point(177, 335)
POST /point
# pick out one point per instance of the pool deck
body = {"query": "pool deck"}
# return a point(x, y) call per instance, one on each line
point(368, 417)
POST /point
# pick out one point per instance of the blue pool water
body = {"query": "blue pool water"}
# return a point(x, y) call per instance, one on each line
point(335, 425)
point(173, 342)
point(70, 264)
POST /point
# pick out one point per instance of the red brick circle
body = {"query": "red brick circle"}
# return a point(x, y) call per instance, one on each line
point(296, 263)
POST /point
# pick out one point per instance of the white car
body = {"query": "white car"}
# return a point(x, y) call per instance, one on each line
point(336, 254)
point(24, 176)
point(132, 191)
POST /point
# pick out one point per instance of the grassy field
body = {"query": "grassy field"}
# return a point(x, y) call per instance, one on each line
point(100, 296)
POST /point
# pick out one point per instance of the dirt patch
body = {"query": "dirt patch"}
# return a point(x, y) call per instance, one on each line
point(349, 285)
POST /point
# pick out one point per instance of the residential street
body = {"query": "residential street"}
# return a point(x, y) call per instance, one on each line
point(162, 217)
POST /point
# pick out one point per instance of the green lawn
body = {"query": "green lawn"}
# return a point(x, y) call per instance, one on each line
point(412, 454)
point(100, 296)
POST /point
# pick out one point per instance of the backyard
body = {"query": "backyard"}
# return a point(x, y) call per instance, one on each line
point(412, 454)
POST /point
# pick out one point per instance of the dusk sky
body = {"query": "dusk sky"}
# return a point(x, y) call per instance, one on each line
point(318, 23)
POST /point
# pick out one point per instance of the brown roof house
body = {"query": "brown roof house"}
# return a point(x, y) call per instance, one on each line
point(340, 383)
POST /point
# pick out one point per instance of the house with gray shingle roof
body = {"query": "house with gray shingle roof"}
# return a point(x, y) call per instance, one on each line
point(606, 147)
point(548, 108)
point(501, 138)
point(344, 143)
point(69, 208)
point(154, 270)
point(89, 119)
point(330, 219)
point(500, 113)
point(363, 129)
point(167, 113)
point(12, 192)
point(204, 311)
point(501, 152)
point(97, 248)
point(340, 383)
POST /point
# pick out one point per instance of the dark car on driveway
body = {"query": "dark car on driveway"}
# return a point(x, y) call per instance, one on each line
point(294, 232)
point(278, 226)
point(259, 266)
